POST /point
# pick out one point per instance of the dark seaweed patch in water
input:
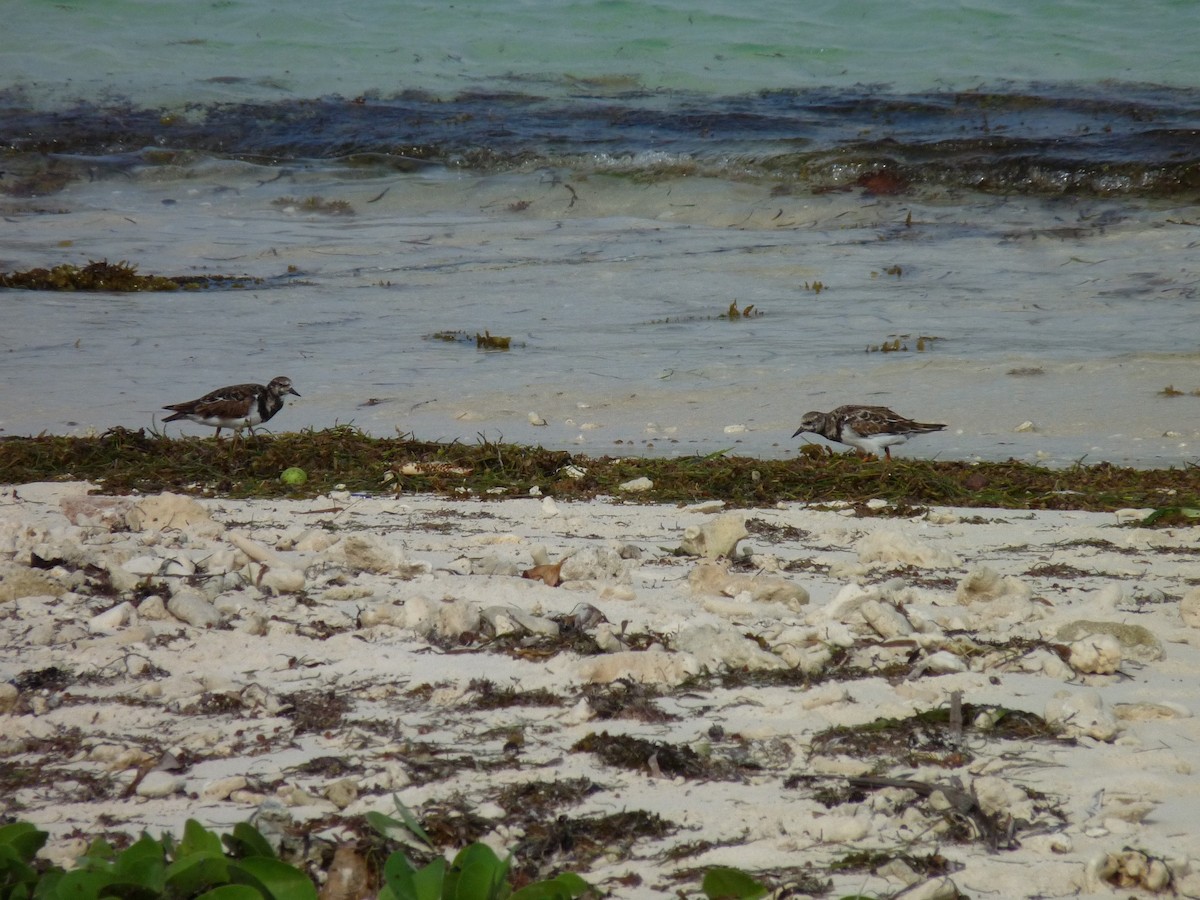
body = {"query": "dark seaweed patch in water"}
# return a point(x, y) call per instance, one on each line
point(119, 277)
point(1045, 139)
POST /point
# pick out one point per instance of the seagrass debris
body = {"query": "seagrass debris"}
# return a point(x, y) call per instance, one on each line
point(343, 458)
point(119, 277)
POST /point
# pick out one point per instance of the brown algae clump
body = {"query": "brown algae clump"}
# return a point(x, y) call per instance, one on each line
point(121, 277)
point(95, 276)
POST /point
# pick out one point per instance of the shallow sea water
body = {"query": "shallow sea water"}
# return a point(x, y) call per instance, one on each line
point(1070, 315)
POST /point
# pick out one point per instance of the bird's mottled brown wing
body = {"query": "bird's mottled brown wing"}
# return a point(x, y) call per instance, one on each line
point(223, 402)
point(871, 420)
point(223, 408)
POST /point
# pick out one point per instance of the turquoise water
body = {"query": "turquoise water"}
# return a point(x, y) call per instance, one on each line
point(164, 53)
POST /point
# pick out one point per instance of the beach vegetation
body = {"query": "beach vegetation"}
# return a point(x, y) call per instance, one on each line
point(243, 865)
point(1173, 515)
point(721, 882)
point(343, 459)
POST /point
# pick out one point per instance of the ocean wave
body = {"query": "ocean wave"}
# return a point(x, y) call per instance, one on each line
point(1116, 140)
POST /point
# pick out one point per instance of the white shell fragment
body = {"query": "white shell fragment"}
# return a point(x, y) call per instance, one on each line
point(1098, 654)
point(112, 619)
point(1135, 641)
point(173, 512)
point(716, 538)
point(1082, 714)
point(160, 784)
point(887, 546)
point(887, 621)
point(191, 606)
point(636, 485)
point(373, 554)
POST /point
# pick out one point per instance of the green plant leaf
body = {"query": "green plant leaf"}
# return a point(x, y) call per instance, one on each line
point(476, 874)
point(47, 885)
point(273, 877)
point(390, 828)
point(143, 864)
point(98, 854)
point(721, 883)
point(411, 823)
point(403, 882)
point(81, 884)
point(197, 871)
point(246, 840)
point(403, 829)
point(566, 886)
point(13, 872)
point(196, 839)
point(24, 839)
point(575, 885)
point(398, 877)
point(232, 892)
point(430, 881)
point(142, 880)
point(1186, 512)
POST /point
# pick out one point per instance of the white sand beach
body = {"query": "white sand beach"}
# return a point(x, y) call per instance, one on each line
point(305, 661)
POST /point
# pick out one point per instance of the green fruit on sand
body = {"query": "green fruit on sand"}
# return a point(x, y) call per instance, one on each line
point(294, 476)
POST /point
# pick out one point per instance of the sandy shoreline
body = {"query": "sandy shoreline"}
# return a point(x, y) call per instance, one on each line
point(168, 658)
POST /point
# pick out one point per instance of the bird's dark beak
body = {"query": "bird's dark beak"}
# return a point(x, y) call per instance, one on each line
point(293, 391)
point(798, 432)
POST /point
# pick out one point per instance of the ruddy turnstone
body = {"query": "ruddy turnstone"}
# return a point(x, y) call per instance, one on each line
point(869, 428)
point(237, 406)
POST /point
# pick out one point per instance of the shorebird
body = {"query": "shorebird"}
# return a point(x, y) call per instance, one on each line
point(869, 428)
point(237, 406)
